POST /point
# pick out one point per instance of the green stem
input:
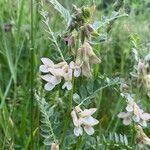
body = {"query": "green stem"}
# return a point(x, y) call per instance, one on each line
point(79, 143)
point(93, 95)
point(31, 74)
point(54, 39)
point(133, 135)
point(67, 120)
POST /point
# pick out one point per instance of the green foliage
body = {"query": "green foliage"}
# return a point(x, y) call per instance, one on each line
point(122, 38)
point(64, 12)
point(46, 127)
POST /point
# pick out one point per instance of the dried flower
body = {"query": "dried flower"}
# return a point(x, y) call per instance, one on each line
point(54, 146)
point(85, 58)
point(82, 118)
point(141, 138)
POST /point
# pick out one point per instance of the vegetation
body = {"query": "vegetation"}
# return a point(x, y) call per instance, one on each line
point(74, 74)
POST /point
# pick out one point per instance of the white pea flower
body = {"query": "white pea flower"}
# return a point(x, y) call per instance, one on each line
point(134, 113)
point(76, 68)
point(76, 121)
point(47, 64)
point(82, 118)
point(126, 117)
point(67, 85)
point(68, 77)
point(52, 81)
point(55, 73)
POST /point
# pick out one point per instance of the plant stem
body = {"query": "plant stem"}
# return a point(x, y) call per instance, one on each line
point(54, 39)
point(79, 143)
point(31, 74)
point(67, 120)
point(133, 135)
point(93, 95)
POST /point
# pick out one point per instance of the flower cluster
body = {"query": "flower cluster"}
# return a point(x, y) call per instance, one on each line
point(55, 73)
point(134, 113)
point(82, 118)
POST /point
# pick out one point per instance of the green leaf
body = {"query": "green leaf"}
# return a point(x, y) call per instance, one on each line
point(83, 91)
point(63, 11)
point(76, 98)
point(48, 141)
point(125, 140)
point(45, 134)
point(90, 86)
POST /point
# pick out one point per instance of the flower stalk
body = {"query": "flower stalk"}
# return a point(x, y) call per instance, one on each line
point(68, 118)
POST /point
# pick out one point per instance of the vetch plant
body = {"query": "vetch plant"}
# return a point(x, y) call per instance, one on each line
point(83, 118)
point(134, 113)
point(75, 66)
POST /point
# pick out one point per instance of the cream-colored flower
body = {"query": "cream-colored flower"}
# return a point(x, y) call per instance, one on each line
point(55, 73)
point(68, 77)
point(76, 68)
point(82, 118)
point(127, 117)
point(134, 113)
point(52, 81)
point(78, 129)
